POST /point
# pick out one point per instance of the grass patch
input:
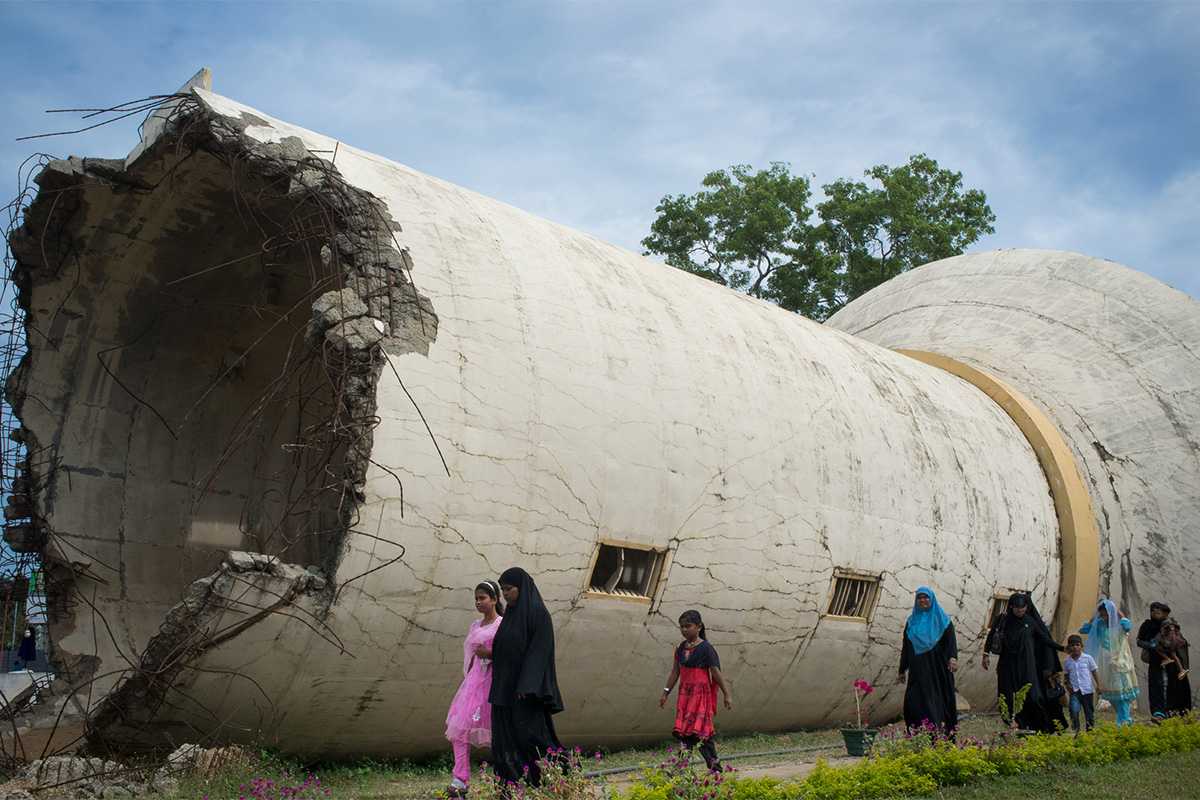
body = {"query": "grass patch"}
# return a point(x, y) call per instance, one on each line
point(1168, 777)
point(1158, 774)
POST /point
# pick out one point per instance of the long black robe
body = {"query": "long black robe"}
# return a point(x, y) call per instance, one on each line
point(1026, 651)
point(1179, 690)
point(1154, 672)
point(524, 690)
point(1176, 697)
point(929, 691)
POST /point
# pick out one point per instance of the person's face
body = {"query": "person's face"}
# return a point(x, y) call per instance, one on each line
point(1158, 613)
point(689, 629)
point(1019, 611)
point(1074, 648)
point(923, 602)
point(510, 593)
point(484, 603)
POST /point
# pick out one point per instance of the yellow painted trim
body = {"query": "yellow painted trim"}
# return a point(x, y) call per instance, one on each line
point(626, 598)
point(646, 548)
point(1079, 585)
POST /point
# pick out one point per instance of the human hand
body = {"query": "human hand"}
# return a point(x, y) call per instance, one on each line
point(728, 702)
point(901, 677)
point(482, 651)
point(986, 660)
point(1046, 673)
point(953, 665)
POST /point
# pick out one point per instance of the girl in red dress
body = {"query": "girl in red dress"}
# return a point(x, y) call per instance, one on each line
point(698, 671)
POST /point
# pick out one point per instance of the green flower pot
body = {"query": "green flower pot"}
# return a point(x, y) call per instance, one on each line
point(858, 740)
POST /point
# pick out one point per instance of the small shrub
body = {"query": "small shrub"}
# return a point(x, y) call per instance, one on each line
point(563, 777)
point(885, 778)
point(681, 776)
point(762, 789)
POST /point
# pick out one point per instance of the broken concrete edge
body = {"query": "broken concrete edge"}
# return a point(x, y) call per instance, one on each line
point(154, 125)
point(376, 312)
point(245, 590)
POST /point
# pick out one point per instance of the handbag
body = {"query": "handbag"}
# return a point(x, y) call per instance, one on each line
point(1145, 655)
point(1057, 690)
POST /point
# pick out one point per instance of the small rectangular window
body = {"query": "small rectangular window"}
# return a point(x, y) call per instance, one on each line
point(999, 606)
point(854, 595)
point(626, 571)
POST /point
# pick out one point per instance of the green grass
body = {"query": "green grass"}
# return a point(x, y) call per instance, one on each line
point(367, 779)
point(1170, 777)
point(1159, 777)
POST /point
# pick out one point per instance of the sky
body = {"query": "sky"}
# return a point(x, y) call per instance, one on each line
point(1080, 120)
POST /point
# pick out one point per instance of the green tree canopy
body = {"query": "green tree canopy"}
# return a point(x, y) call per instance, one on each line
point(751, 231)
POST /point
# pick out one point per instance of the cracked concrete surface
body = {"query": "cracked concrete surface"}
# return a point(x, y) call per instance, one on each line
point(1112, 356)
point(543, 392)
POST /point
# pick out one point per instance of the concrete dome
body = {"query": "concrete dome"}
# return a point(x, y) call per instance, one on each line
point(1113, 358)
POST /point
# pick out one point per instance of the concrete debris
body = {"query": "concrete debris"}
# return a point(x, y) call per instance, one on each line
point(72, 777)
point(247, 589)
point(345, 322)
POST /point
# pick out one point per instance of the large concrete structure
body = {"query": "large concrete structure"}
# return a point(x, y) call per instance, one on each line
point(287, 402)
point(1110, 355)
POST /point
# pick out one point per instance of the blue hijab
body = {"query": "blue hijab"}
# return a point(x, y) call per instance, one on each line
point(925, 628)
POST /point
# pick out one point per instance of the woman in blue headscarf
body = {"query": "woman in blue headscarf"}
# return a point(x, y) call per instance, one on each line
point(929, 656)
point(1108, 643)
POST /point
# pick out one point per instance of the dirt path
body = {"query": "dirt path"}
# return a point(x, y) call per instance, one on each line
point(781, 768)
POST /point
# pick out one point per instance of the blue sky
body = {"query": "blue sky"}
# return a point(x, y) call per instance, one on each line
point(1080, 120)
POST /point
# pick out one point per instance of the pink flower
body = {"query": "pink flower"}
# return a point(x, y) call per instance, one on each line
point(861, 690)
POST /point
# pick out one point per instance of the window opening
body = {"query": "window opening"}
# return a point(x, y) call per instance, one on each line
point(999, 606)
point(854, 595)
point(626, 571)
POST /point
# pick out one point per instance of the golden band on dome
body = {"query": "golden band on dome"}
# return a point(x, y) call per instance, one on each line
point(1079, 585)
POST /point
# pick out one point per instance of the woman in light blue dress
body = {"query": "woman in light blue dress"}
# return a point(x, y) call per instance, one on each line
point(1108, 643)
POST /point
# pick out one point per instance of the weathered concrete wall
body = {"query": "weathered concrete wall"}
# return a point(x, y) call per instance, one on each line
point(574, 394)
point(1113, 357)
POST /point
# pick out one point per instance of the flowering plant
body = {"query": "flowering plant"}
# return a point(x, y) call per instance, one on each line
point(861, 690)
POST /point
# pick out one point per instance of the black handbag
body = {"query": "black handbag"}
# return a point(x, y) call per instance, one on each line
point(1057, 690)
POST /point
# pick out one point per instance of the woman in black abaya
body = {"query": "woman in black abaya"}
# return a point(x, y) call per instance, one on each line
point(1027, 656)
point(524, 684)
point(928, 661)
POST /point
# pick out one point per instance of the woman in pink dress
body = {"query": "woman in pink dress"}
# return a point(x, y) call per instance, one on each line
point(470, 719)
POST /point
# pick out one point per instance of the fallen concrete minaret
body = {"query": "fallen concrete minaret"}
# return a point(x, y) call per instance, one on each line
point(286, 403)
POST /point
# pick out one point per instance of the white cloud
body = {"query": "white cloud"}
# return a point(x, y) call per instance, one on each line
point(588, 113)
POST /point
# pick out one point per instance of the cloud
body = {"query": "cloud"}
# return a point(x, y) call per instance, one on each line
point(1077, 119)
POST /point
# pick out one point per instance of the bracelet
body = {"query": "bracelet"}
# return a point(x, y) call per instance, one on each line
point(667, 689)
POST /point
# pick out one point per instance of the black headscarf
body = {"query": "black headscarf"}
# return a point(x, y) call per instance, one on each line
point(523, 651)
point(1014, 642)
point(1150, 628)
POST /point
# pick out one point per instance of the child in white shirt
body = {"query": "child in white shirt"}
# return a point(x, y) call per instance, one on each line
point(1083, 681)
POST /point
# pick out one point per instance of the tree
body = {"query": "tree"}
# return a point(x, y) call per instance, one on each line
point(739, 230)
point(750, 231)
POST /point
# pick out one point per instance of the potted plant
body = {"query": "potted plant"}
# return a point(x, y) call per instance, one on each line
point(858, 739)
